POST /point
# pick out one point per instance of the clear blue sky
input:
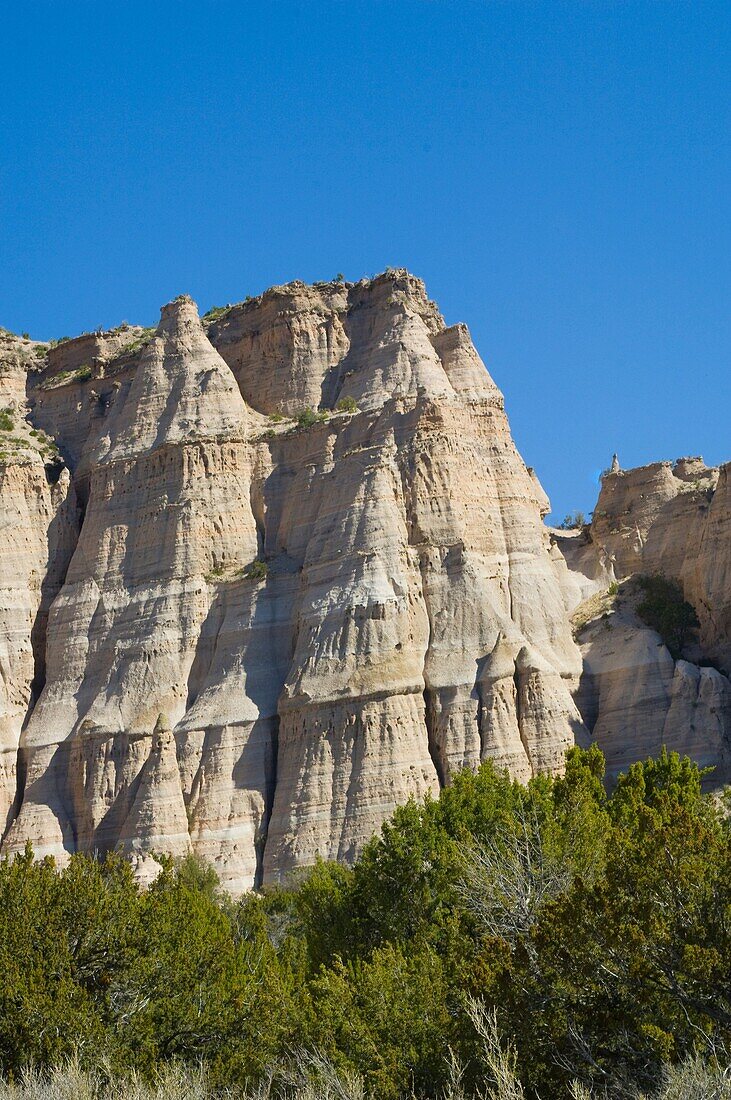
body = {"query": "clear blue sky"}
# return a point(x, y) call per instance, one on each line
point(559, 173)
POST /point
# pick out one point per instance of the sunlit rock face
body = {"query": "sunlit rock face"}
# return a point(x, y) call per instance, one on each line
point(263, 635)
point(672, 519)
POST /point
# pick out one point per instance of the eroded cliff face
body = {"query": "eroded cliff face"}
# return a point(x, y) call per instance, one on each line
point(672, 519)
point(263, 636)
point(38, 530)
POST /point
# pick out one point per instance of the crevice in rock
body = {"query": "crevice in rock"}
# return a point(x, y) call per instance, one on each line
point(434, 749)
point(205, 650)
point(53, 470)
point(21, 772)
point(271, 789)
point(519, 718)
point(59, 555)
point(480, 717)
point(258, 511)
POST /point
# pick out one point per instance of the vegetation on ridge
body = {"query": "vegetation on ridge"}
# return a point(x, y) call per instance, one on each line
point(563, 938)
point(65, 377)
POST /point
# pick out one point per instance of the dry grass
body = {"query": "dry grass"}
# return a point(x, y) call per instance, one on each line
point(311, 1076)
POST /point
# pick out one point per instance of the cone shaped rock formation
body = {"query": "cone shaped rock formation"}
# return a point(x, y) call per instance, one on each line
point(234, 626)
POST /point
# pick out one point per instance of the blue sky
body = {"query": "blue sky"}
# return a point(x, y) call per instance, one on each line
point(558, 173)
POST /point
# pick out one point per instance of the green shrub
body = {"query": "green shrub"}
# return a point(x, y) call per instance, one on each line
point(65, 377)
point(276, 418)
point(7, 422)
point(613, 589)
point(306, 418)
point(257, 570)
point(571, 521)
point(138, 343)
point(496, 941)
point(214, 313)
point(664, 609)
point(346, 405)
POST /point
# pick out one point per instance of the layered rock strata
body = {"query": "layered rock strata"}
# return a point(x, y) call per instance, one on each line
point(271, 630)
point(672, 519)
point(38, 529)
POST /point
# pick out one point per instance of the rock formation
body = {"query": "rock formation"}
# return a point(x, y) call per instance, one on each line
point(268, 574)
point(293, 570)
point(672, 519)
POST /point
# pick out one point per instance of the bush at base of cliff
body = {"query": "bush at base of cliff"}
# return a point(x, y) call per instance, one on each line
point(591, 930)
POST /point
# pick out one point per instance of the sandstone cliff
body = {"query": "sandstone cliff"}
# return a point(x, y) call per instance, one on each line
point(268, 574)
point(672, 519)
point(265, 629)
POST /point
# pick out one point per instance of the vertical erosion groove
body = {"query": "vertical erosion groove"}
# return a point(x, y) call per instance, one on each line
point(519, 718)
point(271, 789)
point(434, 748)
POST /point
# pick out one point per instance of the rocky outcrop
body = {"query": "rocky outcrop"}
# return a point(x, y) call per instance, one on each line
point(268, 574)
point(272, 631)
point(672, 519)
point(38, 529)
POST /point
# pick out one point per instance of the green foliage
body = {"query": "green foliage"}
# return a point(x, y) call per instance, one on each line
point(571, 521)
point(214, 313)
point(307, 417)
point(586, 933)
point(257, 570)
point(664, 609)
point(138, 343)
point(65, 377)
point(7, 423)
point(346, 405)
point(276, 418)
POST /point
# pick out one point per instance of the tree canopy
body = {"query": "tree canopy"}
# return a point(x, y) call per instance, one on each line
point(596, 926)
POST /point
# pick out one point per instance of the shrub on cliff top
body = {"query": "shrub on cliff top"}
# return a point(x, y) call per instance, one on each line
point(571, 521)
point(214, 313)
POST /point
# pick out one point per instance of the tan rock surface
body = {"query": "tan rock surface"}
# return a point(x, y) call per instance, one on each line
point(667, 518)
point(38, 529)
point(269, 635)
point(674, 519)
point(635, 698)
point(262, 637)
